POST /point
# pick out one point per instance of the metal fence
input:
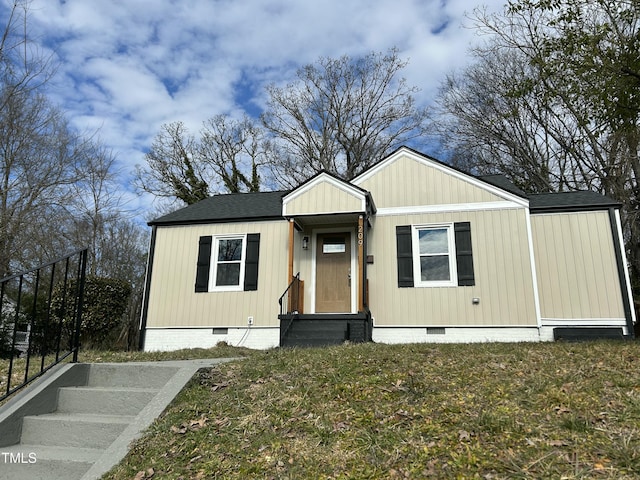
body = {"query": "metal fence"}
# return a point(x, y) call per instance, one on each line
point(40, 319)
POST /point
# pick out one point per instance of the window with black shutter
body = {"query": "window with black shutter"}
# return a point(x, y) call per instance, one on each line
point(228, 263)
point(435, 255)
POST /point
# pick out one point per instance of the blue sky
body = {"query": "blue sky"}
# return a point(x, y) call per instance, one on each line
point(128, 66)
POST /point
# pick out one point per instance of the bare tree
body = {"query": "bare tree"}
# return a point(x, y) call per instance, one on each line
point(58, 188)
point(341, 115)
point(95, 206)
point(553, 101)
point(172, 169)
point(489, 126)
point(123, 245)
point(39, 153)
point(235, 150)
point(37, 169)
point(23, 65)
point(227, 157)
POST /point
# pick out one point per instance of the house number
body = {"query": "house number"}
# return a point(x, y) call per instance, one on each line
point(360, 235)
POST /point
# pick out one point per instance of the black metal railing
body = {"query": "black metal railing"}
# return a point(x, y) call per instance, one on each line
point(40, 320)
point(289, 300)
point(290, 306)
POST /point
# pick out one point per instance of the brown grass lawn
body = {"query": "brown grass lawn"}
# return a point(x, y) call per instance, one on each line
point(491, 411)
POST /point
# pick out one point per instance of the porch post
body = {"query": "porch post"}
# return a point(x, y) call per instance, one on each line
point(361, 280)
point(290, 270)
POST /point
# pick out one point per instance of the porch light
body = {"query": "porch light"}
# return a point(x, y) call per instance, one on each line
point(305, 243)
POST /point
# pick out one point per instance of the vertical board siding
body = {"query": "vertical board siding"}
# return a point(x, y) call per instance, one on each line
point(503, 275)
point(173, 301)
point(409, 182)
point(576, 266)
point(324, 198)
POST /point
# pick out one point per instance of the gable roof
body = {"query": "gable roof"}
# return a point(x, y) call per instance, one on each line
point(502, 188)
point(325, 174)
point(324, 177)
point(239, 207)
point(232, 207)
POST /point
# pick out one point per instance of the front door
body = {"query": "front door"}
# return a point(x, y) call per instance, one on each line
point(333, 273)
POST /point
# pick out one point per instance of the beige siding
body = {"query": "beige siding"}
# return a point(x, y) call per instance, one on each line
point(408, 182)
point(324, 198)
point(503, 276)
point(172, 300)
point(576, 266)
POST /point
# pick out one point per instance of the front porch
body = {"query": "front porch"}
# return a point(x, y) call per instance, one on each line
point(318, 329)
point(326, 302)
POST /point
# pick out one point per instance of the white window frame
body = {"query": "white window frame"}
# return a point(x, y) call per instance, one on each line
point(415, 245)
point(213, 273)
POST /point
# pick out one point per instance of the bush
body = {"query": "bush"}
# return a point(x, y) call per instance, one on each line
point(104, 306)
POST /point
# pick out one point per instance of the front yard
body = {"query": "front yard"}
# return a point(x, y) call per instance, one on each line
point(553, 410)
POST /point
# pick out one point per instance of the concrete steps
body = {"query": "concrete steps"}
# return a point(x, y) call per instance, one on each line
point(47, 462)
point(104, 400)
point(73, 429)
point(44, 470)
point(91, 421)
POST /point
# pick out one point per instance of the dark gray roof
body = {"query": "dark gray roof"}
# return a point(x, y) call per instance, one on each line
point(570, 201)
point(502, 182)
point(227, 208)
point(561, 201)
point(239, 207)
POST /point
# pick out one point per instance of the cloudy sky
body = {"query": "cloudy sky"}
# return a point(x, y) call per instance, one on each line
point(128, 66)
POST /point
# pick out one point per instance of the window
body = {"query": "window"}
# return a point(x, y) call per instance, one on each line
point(434, 263)
point(434, 255)
point(228, 263)
point(334, 245)
point(227, 267)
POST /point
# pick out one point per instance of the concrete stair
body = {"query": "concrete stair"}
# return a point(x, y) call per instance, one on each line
point(87, 427)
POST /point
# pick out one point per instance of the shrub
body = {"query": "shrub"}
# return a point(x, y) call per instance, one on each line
point(105, 303)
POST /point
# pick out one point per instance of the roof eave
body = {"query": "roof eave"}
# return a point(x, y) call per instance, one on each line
point(205, 221)
point(573, 208)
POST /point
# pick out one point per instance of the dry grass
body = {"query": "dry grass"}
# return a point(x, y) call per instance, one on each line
point(415, 411)
point(91, 356)
point(21, 371)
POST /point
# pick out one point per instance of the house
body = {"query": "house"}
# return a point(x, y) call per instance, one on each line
point(412, 250)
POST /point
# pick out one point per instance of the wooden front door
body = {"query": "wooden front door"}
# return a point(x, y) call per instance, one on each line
point(333, 273)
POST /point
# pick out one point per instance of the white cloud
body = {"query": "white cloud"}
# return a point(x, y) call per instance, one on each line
point(127, 66)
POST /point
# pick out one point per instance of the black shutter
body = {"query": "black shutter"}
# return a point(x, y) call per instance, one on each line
point(464, 254)
point(251, 262)
point(405, 256)
point(204, 264)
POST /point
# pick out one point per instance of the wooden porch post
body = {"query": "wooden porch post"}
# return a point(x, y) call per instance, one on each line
point(361, 280)
point(290, 271)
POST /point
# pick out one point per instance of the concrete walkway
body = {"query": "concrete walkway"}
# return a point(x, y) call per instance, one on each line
point(78, 422)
